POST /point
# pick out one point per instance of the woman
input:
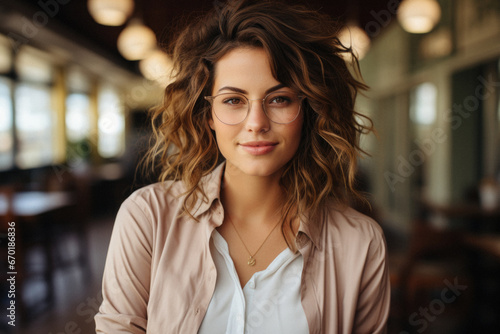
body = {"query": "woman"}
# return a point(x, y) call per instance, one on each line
point(248, 230)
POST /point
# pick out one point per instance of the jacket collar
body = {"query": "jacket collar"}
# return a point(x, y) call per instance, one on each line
point(211, 184)
point(312, 228)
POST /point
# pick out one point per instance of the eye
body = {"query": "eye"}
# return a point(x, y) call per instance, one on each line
point(280, 100)
point(234, 100)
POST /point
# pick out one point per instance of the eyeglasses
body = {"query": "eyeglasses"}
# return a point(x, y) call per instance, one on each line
point(233, 108)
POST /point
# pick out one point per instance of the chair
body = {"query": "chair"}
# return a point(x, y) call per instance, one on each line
point(69, 226)
point(30, 238)
point(435, 281)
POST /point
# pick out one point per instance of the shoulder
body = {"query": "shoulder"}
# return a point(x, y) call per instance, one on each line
point(344, 224)
point(169, 194)
point(154, 201)
point(157, 192)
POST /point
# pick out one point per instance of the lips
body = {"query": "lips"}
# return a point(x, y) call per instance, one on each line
point(258, 147)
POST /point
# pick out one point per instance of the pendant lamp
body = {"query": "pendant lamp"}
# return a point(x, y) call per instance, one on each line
point(419, 16)
point(136, 41)
point(353, 36)
point(110, 12)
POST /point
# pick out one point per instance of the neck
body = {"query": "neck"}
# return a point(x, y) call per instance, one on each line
point(251, 199)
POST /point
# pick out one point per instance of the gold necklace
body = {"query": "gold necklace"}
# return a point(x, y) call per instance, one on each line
point(251, 259)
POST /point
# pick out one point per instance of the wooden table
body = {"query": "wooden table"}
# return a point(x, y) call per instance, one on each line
point(461, 210)
point(36, 215)
point(489, 244)
point(32, 204)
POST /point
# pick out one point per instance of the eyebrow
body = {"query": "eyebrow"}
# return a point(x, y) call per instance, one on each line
point(242, 91)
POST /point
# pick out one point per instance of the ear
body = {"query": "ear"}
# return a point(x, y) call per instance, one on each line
point(211, 123)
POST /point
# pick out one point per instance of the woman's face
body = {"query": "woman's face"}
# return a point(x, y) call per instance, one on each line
point(256, 146)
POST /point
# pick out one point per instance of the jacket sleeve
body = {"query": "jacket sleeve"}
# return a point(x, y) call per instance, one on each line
point(375, 292)
point(127, 273)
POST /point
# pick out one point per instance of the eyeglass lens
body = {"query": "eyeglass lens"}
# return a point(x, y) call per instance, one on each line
point(280, 107)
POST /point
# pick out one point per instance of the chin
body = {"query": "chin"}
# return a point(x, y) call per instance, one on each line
point(256, 169)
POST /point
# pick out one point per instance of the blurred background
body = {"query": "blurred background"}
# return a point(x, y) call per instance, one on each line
point(77, 78)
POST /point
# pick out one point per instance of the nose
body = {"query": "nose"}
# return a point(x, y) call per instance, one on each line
point(257, 120)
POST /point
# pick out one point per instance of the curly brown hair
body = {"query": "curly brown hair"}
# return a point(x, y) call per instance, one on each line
point(305, 55)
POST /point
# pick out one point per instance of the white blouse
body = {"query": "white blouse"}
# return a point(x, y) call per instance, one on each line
point(270, 302)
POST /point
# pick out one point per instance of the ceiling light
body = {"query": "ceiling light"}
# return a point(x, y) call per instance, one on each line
point(136, 41)
point(157, 67)
point(419, 16)
point(356, 38)
point(110, 12)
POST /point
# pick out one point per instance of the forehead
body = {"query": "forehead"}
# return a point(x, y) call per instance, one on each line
point(241, 53)
point(244, 67)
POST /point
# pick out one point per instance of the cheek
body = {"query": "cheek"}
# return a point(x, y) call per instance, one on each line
point(296, 132)
point(224, 134)
point(211, 123)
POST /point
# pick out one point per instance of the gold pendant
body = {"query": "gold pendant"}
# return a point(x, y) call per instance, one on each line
point(251, 261)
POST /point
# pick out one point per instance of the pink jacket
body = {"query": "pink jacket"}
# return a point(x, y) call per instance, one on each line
point(160, 276)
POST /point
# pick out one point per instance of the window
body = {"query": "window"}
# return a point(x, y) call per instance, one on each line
point(78, 126)
point(6, 130)
point(34, 125)
point(111, 123)
point(35, 118)
point(6, 135)
point(423, 104)
point(34, 66)
point(79, 116)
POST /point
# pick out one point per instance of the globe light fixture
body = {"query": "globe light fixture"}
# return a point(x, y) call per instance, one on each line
point(110, 12)
point(356, 38)
point(419, 16)
point(157, 66)
point(136, 41)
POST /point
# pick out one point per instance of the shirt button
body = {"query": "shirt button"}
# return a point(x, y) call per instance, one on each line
point(251, 285)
